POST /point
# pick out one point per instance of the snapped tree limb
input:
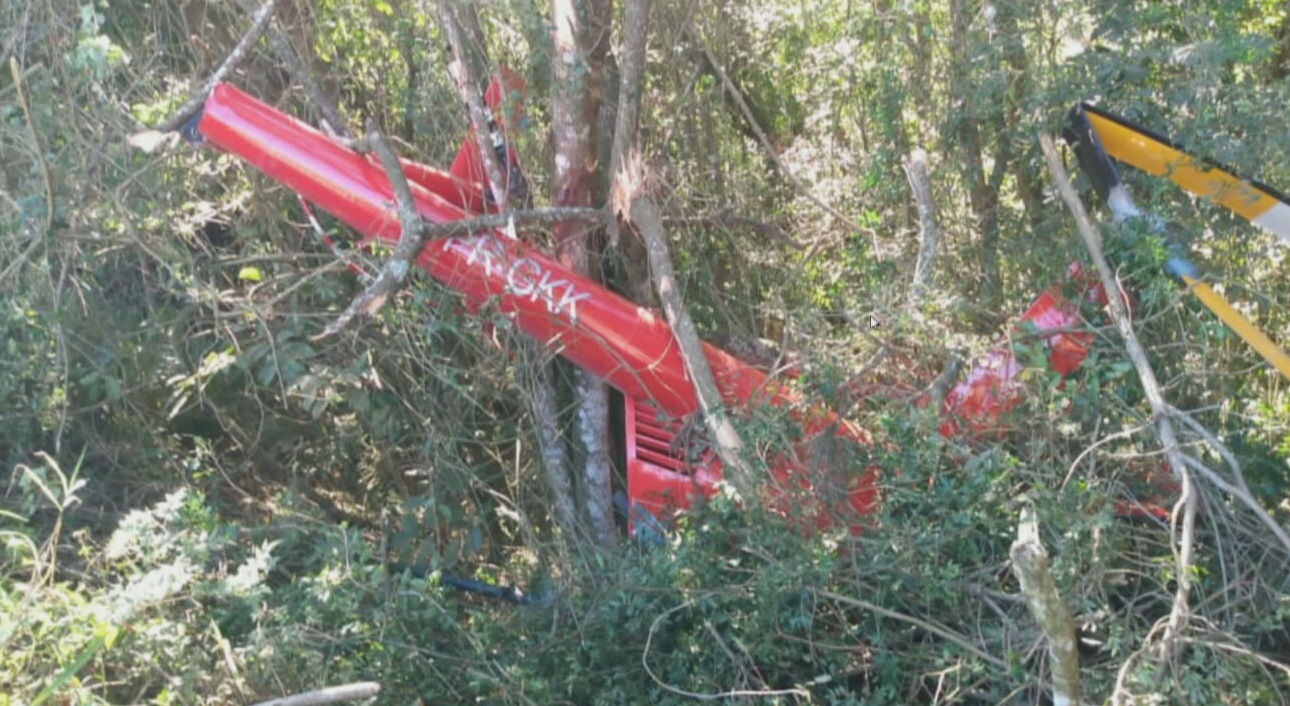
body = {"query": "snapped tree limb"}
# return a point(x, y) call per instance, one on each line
point(1030, 565)
point(330, 695)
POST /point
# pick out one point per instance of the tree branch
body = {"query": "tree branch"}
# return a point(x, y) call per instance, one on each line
point(921, 183)
point(479, 116)
point(734, 92)
point(1151, 387)
point(411, 239)
point(259, 23)
point(645, 215)
point(1030, 565)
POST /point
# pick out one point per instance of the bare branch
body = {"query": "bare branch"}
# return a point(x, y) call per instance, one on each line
point(646, 217)
point(296, 67)
point(738, 97)
point(722, 696)
point(921, 183)
point(770, 230)
point(259, 23)
point(330, 695)
point(411, 239)
point(520, 219)
point(938, 630)
point(1151, 387)
point(37, 149)
point(1030, 565)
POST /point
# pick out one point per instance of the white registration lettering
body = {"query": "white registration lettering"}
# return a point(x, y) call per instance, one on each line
point(524, 277)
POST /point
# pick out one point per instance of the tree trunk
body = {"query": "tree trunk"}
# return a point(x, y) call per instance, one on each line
point(581, 44)
point(983, 194)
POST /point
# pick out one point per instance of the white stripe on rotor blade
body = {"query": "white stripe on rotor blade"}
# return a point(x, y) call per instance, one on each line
point(1276, 219)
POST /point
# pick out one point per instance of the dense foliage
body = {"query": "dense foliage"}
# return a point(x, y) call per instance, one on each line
point(202, 503)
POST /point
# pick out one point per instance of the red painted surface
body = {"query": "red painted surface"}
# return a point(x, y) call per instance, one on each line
point(631, 348)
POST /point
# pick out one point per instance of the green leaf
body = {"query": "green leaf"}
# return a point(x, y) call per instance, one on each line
point(250, 274)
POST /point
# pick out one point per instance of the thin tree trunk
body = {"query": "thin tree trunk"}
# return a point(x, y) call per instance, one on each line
point(581, 45)
point(464, 32)
point(546, 419)
point(630, 86)
point(983, 198)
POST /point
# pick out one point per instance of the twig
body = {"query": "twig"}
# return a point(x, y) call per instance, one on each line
point(1151, 387)
point(330, 695)
point(770, 230)
point(296, 67)
point(933, 628)
point(26, 73)
point(260, 22)
point(1030, 565)
point(769, 149)
point(36, 146)
point(737, 693)
point(1241, 491)
point(521, 219)
point(411, 239)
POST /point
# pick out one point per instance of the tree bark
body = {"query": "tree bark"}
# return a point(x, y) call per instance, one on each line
point(646, 216)
point(1030, 565)
point(983, 193)
point(581, 38)
point(929, 232)
point(631, 74)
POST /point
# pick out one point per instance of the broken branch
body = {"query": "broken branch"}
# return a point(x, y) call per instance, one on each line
point(330, 695)
point(259, 23)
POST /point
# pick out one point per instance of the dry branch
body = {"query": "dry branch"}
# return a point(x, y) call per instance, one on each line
point(757, 129)
point(36, 147)
point(646, 217)
point(1030, 564)
point(330, 695)
point(930, 233)
point(1151, 387)
point(331, 116)
point(259, 23)
point(411, 239)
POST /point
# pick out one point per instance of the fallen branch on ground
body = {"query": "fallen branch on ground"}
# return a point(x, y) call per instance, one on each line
point(330, 695)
